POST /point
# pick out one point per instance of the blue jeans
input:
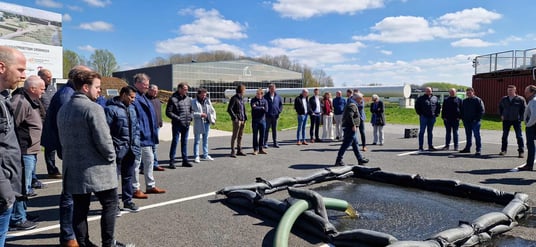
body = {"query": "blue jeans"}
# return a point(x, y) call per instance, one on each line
point(519, 135)
point(197, 138)
point(182, 132)
point(66, 217)
point(451, 126)
point(349, 138)
point(258, 128)
point(29, 161)
point(426, 124)
point(531, 135)
point(302, 122)
point(472, 128)
point(4, 225)
point(271, 123)
point(19, 211)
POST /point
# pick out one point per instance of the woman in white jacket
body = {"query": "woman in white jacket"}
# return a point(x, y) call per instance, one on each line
point(204, 116)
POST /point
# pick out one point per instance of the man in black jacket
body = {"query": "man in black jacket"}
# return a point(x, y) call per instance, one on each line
point(451, 114)
point(428, 108)
point(472, 112)
point(179, 109)
point(512, 109)
point(350, 124)
point(301, 106)
point(237, 111)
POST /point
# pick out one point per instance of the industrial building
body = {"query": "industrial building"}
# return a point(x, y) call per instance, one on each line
point(218, 76)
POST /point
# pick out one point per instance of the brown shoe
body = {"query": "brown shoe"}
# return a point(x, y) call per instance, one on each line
point(158, 168)
point(138, 194)
point(240, 153)
point(312, 140)
point(69, 243)
point(255, 152)
point(155, 190)
point(305, 143)
point(298, 143)
point(262, 152)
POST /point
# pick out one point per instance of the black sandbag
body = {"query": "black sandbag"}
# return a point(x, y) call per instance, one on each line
point(393, 178)
point(273, 204)
point(247, 194)
point(268, 213)
point(477, 239)
point(363, 171)
point(445, 186)
point(315, 200)
point(489, 220)
point(315, 177)
point(281, 182)
point(309, 217)
point(456, 235)
point(365, 236)
point(253, 187)
point(482, 193)
point(428, 243)
point(521, 196)
point(516, 209)
point(350, 243)
point(500, 229)
point(241, 202)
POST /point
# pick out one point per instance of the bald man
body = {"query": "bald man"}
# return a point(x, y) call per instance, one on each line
point(12, 71)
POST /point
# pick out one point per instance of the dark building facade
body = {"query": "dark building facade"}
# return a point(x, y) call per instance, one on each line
point(218, 76)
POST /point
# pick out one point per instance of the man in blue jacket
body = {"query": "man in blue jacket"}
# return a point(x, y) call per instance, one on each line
point(275, 107)
point(148, 137)
point(338, 108)
point(428, 108)
point(121, 117)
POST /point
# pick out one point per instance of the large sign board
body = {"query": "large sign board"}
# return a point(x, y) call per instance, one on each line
point(36, 33)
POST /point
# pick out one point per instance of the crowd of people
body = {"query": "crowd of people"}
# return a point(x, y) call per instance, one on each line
point(513, 110)
point(106, 142)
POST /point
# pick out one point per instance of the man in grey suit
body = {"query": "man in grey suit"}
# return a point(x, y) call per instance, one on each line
point(84, 132)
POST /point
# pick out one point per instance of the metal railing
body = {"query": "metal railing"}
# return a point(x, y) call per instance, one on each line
point(506, 60)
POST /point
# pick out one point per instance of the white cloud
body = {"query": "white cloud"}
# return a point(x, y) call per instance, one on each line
point(67, 17)
point(386, 52)
point(87, 48)
point(74, 8)
point(400, 72)
point(49, 3)
point(302, 9)
point(205, 33)
point(97, 26)
point(308, 52)
point(467, 23)
point(98, 3)
point(471, 43)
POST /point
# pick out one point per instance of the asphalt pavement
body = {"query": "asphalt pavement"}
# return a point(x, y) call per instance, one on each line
point(190, 214)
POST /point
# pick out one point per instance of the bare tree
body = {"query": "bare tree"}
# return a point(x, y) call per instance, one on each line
point(103, 62)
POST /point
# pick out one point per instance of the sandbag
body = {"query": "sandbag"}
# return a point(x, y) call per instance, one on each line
point(373, 238)
point(477, 239)
point(489, 220)
point(516, 209)
point(273, 204)
point(254, 187)
point(455, 235)
point(428, 243)
point(444, 186)
point(281, 182)
point(393, 178)
point(362, 171)
point(481, 193)
point(500, 229)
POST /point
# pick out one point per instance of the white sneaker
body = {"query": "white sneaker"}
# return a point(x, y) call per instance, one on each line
point(197, 160)
point(208, 158)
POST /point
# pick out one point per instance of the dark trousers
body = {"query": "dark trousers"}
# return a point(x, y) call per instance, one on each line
point(519, 135)
point(66, 217)
point(315, 126)
point(349, 138)
point(108, 201)
point(472, 128)
point(50, 160)
point(182, 131)
point(531, 135)
point(426, 124)
point(258, 134)
point(451, 126)
point(271, 123)
point(125, 168)
point(362, 134)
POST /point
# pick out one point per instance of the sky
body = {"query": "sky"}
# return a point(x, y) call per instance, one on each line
point(356, 42)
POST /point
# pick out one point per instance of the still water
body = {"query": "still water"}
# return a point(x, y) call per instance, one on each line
point(407, 213)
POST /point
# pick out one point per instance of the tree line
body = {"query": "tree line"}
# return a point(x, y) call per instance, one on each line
point(103, 62)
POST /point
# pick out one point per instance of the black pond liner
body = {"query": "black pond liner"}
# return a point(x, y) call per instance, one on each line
point(481, 230)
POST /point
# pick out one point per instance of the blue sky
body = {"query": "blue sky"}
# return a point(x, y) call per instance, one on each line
point(356, 42)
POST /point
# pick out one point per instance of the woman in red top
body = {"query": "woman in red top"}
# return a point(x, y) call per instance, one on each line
point(327, 117)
